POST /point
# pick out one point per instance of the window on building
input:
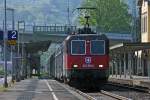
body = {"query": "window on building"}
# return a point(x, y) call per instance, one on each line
point(144, 24)
point(141, 24)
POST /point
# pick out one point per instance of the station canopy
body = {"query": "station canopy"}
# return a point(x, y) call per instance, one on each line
point(129, 47)
point(34, 47)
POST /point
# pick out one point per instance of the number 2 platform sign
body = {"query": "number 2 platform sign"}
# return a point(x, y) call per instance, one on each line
point(12, 37)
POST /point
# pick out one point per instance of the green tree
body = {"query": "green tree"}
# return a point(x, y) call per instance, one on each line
point(109, 16)
point(1, 70)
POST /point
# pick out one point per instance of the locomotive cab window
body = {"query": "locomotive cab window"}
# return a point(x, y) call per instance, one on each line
point(77, 47)
point(98, 47)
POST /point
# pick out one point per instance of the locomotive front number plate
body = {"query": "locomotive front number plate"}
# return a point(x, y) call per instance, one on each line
point(88, 65)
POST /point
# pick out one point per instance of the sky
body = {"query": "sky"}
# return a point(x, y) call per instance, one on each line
point(40, 11)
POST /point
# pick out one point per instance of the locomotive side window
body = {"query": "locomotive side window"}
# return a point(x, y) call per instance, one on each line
point(78, 47)
point(98, 47)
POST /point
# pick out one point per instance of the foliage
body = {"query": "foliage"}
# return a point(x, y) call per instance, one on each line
point(1, 72)
point(109, 16)
point(44, 73)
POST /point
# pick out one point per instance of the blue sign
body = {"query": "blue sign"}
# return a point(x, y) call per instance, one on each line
point(1, 35)
point(12, 35)
point(88, 60)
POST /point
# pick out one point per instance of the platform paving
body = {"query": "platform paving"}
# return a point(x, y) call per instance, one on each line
point(35, 89)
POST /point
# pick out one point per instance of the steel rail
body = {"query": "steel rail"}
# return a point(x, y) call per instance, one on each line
point(141, 89)
point(118, 97)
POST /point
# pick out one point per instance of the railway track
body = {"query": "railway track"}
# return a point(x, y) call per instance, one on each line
point(136, 88)
point(101, 95)
point(112, 91)
point(105, 95)
point(121, 92)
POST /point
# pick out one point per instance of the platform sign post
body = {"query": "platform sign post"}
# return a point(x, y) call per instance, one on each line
point(21, 29)
point(1, 35)
point(12, 37)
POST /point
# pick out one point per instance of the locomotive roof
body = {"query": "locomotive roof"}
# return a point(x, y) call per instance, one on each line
point(100, 36)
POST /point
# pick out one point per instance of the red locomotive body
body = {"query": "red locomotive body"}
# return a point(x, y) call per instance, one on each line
point(82, 58)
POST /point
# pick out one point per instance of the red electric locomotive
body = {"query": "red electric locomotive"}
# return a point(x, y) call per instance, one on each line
point(82, 59)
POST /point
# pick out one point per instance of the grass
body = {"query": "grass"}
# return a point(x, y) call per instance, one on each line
point(2, 88)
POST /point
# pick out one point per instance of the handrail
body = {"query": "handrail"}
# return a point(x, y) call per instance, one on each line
point(53, 28)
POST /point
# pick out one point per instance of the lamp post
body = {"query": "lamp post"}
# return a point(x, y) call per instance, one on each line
point(13, 17)
point(68, 10)
point(13, 28)
point(21, 27)
point(5, 45)
point(134, 20)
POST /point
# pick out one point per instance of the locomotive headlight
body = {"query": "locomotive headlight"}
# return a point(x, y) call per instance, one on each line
point(101, 66)
point(75, 66)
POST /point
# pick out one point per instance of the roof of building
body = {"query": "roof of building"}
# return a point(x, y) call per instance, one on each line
point(141, 1)
point(127, 47)
point(37, 46)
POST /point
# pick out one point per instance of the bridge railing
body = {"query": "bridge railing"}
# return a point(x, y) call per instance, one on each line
point(54, 28)
point(60, 29)
point(120, 36)
point(28, 27)
point(31, 28)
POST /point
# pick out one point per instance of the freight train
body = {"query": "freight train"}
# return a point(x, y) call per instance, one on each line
point(82, 59)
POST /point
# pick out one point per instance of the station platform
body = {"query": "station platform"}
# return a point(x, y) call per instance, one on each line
point(133, 80)
point(39, 89)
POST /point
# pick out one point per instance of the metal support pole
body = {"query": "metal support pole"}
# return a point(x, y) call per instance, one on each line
point(140, 65)
point(29, 65)
point(142, 62)
point(134, 33)
point(137, 63)
point(127, 65)
point(26, 65)
point(22, 27)
point(120, 65)
point(13, 19)
point(68, 10)
point(22, 76)
point(18, 67)
point(22, 48)
point(5, 46)
point(148, 64)
point(113, 68)
point(12, 64)
point(130, 64)
point(112, 64)
point(124, 65)
point(116, 65)
point(13, 28)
